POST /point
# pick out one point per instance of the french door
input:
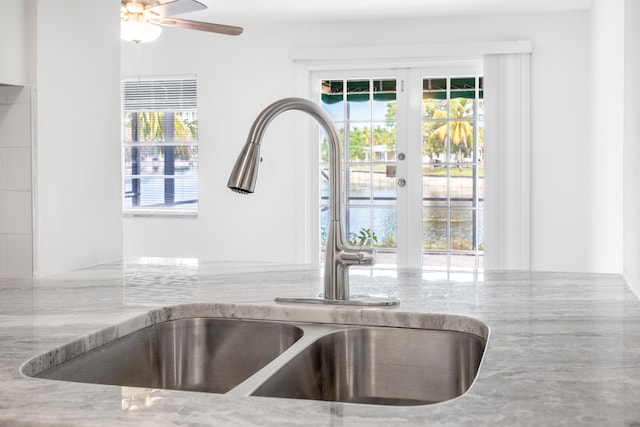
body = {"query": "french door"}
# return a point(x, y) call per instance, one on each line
point(411, 148)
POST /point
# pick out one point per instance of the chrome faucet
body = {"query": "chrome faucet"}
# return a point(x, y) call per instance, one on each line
point(339, 255)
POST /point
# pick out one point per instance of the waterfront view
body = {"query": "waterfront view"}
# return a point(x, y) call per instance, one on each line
point(457, 225)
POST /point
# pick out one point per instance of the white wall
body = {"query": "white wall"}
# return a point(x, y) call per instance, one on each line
point(632, 146)
point(606, 124)
point(240, 76)
point(76, 141)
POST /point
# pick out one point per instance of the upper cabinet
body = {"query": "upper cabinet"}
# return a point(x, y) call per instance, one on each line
point(14, 44)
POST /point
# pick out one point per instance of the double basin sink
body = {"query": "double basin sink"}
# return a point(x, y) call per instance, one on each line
point(351, 363)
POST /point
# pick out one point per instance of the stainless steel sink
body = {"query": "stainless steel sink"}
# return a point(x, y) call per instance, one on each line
point(435, 360)
point(389, 366)
point(197, 354)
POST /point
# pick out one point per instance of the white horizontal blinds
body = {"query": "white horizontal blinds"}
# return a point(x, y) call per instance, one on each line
point(160, 145)
point(160, 95)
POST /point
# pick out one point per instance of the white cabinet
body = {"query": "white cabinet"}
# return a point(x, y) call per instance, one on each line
point(13, 42)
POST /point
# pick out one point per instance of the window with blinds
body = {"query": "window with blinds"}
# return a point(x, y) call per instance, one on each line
point(160, 145)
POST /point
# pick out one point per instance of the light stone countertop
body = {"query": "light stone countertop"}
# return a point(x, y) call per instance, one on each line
point(564, 348)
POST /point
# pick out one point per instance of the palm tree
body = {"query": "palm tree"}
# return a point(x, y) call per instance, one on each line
point(150, 126)
point(185, 128)
point(433, 145)
point(459, 130)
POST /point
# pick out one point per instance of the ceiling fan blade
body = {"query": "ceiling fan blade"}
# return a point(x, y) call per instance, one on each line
point(201, 26)
point(176, 7)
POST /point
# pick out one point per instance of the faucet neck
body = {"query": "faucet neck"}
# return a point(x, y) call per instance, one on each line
point(272, 111)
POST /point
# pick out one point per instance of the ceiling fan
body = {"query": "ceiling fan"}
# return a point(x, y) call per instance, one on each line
point(141, 21)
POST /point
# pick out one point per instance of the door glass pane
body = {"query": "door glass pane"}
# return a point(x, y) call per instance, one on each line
point(332, 99)
point(359, 185)
point(359, 100)
point(384, 185)
point(461, 226)
point(384, 232)
point(359, 226)
point(461, 185)
point(435, 231)
point(367, 126)
point(461, 141)
point(452, 169)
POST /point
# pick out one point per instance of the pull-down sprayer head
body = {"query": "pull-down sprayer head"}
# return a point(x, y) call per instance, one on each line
point(245, 172)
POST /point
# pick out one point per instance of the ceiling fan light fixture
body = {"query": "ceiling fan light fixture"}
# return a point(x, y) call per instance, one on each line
point(139, 31)
point(141, 21)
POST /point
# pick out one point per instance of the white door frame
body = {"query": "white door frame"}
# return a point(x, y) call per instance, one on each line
point(431, 56)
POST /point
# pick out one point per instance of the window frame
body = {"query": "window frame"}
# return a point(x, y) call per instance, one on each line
point(181, 97)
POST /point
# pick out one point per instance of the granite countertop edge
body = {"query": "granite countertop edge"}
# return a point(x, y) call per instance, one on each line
point(564, 348)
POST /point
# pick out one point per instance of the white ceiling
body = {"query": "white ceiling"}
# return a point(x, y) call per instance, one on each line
point(243, 12)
